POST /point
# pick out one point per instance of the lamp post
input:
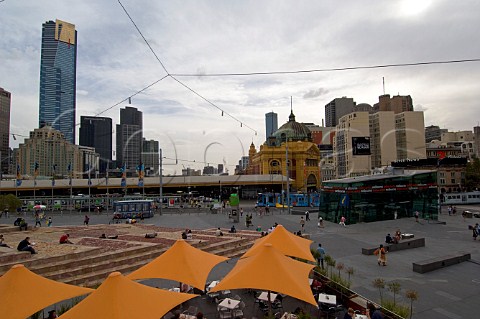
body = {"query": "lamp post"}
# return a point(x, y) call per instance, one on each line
point(160, 173)
point(288, 179)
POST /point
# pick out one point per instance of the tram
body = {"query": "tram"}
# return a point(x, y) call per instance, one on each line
point(134, 208)
point(296, 200)
point(466, 198)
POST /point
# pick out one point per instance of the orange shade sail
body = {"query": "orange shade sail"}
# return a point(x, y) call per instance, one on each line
point(23, 293)
point(182, 263)
point(270, 270)
point(121, 298)
point(286, 242)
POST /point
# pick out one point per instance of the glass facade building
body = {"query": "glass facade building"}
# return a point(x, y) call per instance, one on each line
point(5, 98)
point(96, 132)
point(381, 197)
point(58, 68)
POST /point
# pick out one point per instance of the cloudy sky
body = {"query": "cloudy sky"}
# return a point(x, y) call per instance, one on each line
point(209, 37)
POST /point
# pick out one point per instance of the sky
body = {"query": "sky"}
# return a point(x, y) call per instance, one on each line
point(211, 37)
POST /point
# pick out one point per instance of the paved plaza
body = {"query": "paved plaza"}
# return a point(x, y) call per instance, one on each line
point(452, 292)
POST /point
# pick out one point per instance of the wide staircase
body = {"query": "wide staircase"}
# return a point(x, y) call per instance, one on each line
point(92, 265)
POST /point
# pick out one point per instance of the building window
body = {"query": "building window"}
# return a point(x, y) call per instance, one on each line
point(442, 181)
point(453, 180)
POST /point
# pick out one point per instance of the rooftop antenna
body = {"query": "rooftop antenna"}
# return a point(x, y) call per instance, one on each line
point(129, 100)
point(383, 83)
point(291, 104)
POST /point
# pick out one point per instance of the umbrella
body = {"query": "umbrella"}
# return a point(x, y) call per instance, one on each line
point(23, 292)
point(121, 298)
point(270, 270)
point(39, 207)
point(286, 242)
point(181, 262)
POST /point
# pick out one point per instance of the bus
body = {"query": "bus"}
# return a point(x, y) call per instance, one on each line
point(133, 208)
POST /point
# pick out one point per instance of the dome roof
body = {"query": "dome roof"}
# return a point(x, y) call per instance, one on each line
point(293, 131)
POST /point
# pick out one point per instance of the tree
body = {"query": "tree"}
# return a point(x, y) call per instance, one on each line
point(340, 267)
point(472, 174)
point(412, 295)
point(379, 283)
point(394, 287)
point(350, 272)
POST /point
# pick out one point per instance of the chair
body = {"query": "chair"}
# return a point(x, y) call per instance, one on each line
point(192, 310)
point(236, 297)
point(225, 313)
point(238, 312)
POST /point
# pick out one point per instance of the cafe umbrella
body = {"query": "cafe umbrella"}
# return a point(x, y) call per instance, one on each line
point(23, 292)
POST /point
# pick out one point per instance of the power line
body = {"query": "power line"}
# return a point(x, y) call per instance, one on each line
point(180, 82)
point(361, 67)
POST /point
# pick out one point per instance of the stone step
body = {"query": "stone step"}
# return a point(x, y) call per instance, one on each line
point(108, 264)
point(56, 270)
point(32, 261)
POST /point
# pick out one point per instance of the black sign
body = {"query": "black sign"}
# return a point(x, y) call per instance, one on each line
point(361, 145)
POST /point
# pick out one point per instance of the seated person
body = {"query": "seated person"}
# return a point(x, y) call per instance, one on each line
point(23, 224)
point(398, 236)
point(2, 244)
point(150, 235)
point(109, 237)
point(25, 245)
point(218, 232)
point(389, 239)
point(189, 234)
point(102, 236)
point(184, 235)
point(233, 229)
point(64, 239)
point(52, 314)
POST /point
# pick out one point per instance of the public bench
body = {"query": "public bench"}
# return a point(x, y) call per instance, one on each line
point(403, 244)
point(439, 262)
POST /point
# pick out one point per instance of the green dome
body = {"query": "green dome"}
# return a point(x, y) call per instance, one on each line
point(292, 131)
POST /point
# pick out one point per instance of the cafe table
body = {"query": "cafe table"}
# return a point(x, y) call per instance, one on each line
point(328, 299)
point(229, 303)
point(264, 296)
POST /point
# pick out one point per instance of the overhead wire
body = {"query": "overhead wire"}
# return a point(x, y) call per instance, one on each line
point(177, 80)
point(360, 67)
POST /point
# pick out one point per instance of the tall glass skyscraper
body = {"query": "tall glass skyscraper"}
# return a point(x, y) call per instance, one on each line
point(96, 131)
point(271, 124)
point(58, 73)
point(5, 97)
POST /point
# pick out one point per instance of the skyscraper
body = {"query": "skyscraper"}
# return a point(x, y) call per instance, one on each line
point(129, 138)
point(271, 124)
point(5, 97)
point(336, 109)
point(150, 157)
point(58, 73)
point(97, 132)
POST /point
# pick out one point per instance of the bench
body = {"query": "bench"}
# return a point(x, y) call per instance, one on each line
point(403, 244)
point(439, 262)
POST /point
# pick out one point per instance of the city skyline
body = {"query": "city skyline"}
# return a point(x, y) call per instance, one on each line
point(207, 37)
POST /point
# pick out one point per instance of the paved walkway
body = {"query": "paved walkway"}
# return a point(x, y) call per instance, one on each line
point(452, 292)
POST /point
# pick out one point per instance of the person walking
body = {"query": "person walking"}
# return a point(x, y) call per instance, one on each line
point(49, 221)
point(342, 221)
point(417, 214)
point(37, 219)
point(86, 220)
point(307, 215)
point(302, 223)
point(382, 255)
point(321, 255)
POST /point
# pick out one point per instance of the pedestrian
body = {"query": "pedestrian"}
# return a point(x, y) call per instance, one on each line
point(302, 223)
point(86, 220)
point(475, 231)
point(307, 215)
point(321, 255)
point(417, 214)
point(241, 212)
point(342, 221)
point(382, 255)
point(37, 219)
point(320, 222)
point(49, 221)
point(449, 210)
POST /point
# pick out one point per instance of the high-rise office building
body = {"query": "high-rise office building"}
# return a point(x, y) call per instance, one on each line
point(410, 135)
point(271, 124)
point(151, 157)
point(96, 132)
point(129, 138)
point(336, 109)
point(58, 73)
point(5, 100)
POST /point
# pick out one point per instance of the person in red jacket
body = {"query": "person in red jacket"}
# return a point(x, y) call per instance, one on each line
point(64, 239)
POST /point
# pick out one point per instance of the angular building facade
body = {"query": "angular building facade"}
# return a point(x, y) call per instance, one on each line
point(336, 109)
point(96, 132)
point(58, 73)
point(151, 157)
point(129, 138)
point(271, 124)
point(5, 100)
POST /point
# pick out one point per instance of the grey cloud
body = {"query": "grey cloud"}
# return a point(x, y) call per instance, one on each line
point(315, 93)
